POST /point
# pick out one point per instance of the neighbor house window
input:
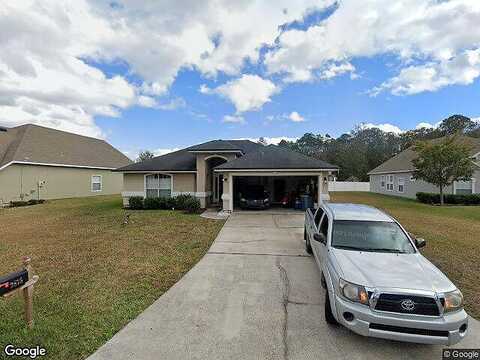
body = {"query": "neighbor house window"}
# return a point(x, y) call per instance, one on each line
point(96, 183)
point(401, 185)
point(382, 181)
point(158, 185)
point(390, 182)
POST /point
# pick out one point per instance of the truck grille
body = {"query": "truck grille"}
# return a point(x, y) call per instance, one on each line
point(407, 304)
point(406, 330)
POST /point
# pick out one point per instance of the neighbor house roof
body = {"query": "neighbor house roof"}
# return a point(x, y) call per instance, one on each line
point(275, 157)
point(33, 144)
point(185, 159)
point(402, 162)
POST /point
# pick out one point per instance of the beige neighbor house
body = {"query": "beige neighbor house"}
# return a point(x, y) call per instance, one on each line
point(218, 170)
point(42, 163)
point(395, 176)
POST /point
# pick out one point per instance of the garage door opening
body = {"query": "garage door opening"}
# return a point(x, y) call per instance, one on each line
point(282, 191)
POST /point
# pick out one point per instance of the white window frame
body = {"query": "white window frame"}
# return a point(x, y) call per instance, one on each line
point(382, 181)
point(390, 182)
point(401, 182)
point(158, 188)
point(96, 182)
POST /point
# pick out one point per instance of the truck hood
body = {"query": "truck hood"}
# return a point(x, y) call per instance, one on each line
point(390, 270)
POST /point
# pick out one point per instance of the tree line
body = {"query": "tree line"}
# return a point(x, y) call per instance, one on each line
point(363, 149)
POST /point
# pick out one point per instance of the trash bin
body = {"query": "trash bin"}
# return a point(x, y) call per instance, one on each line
point(307, 201)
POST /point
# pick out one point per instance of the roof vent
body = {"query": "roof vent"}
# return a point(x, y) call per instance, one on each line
point(3, 129)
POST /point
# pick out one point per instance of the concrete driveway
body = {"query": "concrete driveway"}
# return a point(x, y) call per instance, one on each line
point(255, 295)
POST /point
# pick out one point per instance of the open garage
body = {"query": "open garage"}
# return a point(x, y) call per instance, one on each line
point(281, 191)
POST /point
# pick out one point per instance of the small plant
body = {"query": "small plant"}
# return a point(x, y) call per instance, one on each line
point(192, 205)
point(135, 203)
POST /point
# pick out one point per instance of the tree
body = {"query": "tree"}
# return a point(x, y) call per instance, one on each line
point(442, 162)
point(456, 124)
point(262, 141)
point(145, 155)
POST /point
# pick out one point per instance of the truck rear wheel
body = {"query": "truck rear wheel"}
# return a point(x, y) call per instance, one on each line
point(308, 247)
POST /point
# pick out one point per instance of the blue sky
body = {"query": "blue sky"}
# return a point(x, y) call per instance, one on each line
point(154, 76)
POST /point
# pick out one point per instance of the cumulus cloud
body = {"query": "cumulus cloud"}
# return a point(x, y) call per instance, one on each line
point(425, 125)
point(159, 152)
point(296, 117)
point(384, 127)
point(246, 93)
point(233, 119)
point(420, 31)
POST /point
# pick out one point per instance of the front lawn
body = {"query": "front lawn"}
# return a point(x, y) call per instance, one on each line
point(452, 234)
point(96, 274)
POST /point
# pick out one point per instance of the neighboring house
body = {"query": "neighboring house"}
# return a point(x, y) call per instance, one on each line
point(42, 163)
point(395, 176)
point(218, 170)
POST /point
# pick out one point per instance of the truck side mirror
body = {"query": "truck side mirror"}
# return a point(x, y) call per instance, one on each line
point(320, 237)
point(420, 243)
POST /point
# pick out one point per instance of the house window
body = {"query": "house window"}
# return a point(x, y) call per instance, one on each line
point(382, 181)
point(96, 183)
point(390, 182)
point(158, 185)
point(401, 185)
point(463, 187)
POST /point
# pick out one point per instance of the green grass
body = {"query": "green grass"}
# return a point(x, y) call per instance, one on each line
point(96, 274)
point(452, 234)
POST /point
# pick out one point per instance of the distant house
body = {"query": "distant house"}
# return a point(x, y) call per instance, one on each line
point(219, 171)
point(394, 177)
point(42, 163)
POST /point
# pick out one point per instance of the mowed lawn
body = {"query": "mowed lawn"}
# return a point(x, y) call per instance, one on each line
point(96, 274)
point(452, 234)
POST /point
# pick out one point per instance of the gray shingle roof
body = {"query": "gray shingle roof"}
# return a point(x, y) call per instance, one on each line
point(185, 160)
point(275, 157)
point(403, 160)
point(38, 144)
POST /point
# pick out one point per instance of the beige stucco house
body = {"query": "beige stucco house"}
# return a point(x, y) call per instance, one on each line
point(216, 171)
point(42, 163)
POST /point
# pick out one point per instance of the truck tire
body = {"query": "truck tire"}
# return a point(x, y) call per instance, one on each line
point(308, 247)
point(329, 318)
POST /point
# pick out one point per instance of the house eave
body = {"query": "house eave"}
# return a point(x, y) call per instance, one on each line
point(55, 165)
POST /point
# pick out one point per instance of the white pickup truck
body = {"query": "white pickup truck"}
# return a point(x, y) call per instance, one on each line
point(377, 282)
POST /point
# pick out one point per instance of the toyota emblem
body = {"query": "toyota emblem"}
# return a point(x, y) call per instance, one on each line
point(407, 305)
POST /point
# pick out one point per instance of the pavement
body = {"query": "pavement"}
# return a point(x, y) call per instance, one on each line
point(255, 295)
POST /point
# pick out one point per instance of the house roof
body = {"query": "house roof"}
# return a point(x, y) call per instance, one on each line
point(40, 145)
point(185, 159)
point(403, 160)
point(275, 157)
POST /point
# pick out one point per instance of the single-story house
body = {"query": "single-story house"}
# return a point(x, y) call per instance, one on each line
point(217, 171)
point(395, 176)
point(42, 163)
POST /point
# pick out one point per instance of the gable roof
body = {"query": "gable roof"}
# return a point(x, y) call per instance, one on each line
point(402, 162)
point(40, 145)
point(186, 160)
point(275, 157)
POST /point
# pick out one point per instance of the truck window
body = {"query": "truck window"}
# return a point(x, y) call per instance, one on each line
point(324, 226)
point(318, 217)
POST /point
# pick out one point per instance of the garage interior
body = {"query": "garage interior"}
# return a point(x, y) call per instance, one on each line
point(284, 191)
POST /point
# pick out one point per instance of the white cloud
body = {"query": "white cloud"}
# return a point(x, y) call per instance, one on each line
point(425, 125)
point(159, 152)
point(247, 93)
point(296, 117)
point(422, 32)
point(235, 119)
point(384, 127)
point(272, 140)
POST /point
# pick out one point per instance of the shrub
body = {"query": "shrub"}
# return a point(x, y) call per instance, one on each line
point(468, 199)
point(35, 201)
point(18, 203)
point(151, 203)
point(135, 203)
point(182, 201)
point(192, 205)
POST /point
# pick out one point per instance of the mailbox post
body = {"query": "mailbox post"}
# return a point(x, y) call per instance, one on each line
point(21, 281)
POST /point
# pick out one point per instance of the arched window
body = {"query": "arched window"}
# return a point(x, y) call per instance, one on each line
point(158, 185)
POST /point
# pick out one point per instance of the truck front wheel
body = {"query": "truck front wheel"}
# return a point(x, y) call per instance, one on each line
point(308, 247)
point(329, 318)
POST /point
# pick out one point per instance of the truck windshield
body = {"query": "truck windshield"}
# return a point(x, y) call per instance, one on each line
point(375, 236)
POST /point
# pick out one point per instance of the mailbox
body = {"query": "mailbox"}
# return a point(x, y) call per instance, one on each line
point(13, 281)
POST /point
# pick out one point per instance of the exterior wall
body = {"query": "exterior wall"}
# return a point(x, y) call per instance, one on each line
point(184, 183)
point(60, 182)
point(476, 183)
point(348, 186)
point(410, 188)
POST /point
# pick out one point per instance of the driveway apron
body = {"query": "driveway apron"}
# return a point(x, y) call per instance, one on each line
point(255, 295)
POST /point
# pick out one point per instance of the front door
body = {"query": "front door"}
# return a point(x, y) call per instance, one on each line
point(217, 187)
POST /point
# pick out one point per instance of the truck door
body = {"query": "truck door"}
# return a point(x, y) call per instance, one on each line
point(321, 247)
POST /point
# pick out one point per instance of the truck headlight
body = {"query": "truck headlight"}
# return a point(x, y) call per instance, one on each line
point(243, 199)
point(453, 301)
point(353, 292)
point(265, 200)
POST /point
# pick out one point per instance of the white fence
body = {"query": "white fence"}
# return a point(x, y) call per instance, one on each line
point(348, 186)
